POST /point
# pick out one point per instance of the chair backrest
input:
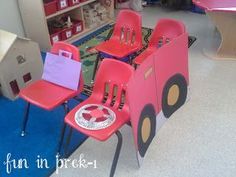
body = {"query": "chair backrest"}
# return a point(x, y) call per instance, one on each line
point(111, 83)
point(128, 28)
point(165, 31)
point(75, 56)
point(67, 47)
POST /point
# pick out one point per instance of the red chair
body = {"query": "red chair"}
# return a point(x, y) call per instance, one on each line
point(47, 95)
point(125, 40)
point(165, 31)
point(106, 104)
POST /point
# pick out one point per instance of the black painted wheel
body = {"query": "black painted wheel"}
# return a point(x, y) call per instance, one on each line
point(174, 94)
point(146, 128)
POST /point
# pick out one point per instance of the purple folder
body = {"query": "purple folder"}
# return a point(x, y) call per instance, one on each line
point(62, 70)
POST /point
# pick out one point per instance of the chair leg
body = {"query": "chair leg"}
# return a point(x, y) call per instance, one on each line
point(117, 153)
point(130, 60)
point(68, 141)
point(96, 66)
point(25, 120)
point(61, 139)
point(66, 109)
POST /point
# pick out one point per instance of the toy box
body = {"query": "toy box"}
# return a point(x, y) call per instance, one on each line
point(55, 36)
point(73, 2)
point(50, 7)
point(77, 26)
point(66, 33)
point(62, 4)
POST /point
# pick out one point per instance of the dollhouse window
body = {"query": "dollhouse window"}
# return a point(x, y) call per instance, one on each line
point(20, 59)
point(27, 77)
point(14, 87)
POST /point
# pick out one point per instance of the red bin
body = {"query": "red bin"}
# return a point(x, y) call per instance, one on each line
point(50, 7)
point(77, 26)
point(66, 33)
point(62, 4)
point(55, 37)
point(73, 2)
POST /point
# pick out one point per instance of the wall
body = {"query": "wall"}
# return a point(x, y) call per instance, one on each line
point(10, 19)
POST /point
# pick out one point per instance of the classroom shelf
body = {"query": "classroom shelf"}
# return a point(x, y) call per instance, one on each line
point(35, 21)
point(70, 9)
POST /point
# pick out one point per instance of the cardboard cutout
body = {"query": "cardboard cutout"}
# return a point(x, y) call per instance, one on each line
point(143, 105)
point(157, 89)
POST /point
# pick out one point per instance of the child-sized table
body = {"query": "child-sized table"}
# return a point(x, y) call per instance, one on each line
point(223, 15)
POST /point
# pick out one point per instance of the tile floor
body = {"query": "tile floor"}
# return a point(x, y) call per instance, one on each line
point(199, 140)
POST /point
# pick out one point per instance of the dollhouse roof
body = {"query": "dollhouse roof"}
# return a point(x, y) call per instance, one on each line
point(6, 41)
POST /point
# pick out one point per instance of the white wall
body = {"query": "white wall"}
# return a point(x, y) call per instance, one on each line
point(10, 19)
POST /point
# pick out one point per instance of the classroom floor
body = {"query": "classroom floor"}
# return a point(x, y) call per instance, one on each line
point(198, 140)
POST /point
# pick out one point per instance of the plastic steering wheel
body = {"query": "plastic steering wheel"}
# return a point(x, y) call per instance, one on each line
point(94, 117)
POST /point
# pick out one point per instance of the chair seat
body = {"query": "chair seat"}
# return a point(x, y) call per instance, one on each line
point(139, 59)
point(117, 49)
point(46, 95)
point(101, 134)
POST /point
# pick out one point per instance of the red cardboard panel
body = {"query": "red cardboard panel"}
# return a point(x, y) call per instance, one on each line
point(143, 105)
point(171, 64)
point(157, 89)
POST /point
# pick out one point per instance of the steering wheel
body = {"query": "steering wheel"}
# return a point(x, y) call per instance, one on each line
point(94, 117)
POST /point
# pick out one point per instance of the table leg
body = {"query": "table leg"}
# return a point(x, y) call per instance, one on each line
point(226, 24)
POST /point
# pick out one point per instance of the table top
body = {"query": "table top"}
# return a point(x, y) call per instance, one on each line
point(216, 5)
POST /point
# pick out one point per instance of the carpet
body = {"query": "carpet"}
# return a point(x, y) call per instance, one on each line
point(19, 156)
point(43, 132)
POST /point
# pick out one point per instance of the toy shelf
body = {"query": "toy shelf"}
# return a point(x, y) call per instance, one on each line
point(87, 31)
point(37, 24)
point(69, 9)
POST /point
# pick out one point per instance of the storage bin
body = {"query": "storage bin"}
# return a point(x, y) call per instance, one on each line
point(77, 26)
point(62, 4)
point(50, 7)
point(55, 37)
point(73, 2)
point(66, 33)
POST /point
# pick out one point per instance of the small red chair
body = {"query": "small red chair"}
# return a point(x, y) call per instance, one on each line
point(165, 31)
point(47, 95)
point(125, 40)
point(106, 104)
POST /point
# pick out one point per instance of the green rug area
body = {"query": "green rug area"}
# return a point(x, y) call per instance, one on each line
point(88, 53)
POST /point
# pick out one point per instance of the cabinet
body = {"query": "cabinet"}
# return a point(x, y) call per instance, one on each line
point(36, 22)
